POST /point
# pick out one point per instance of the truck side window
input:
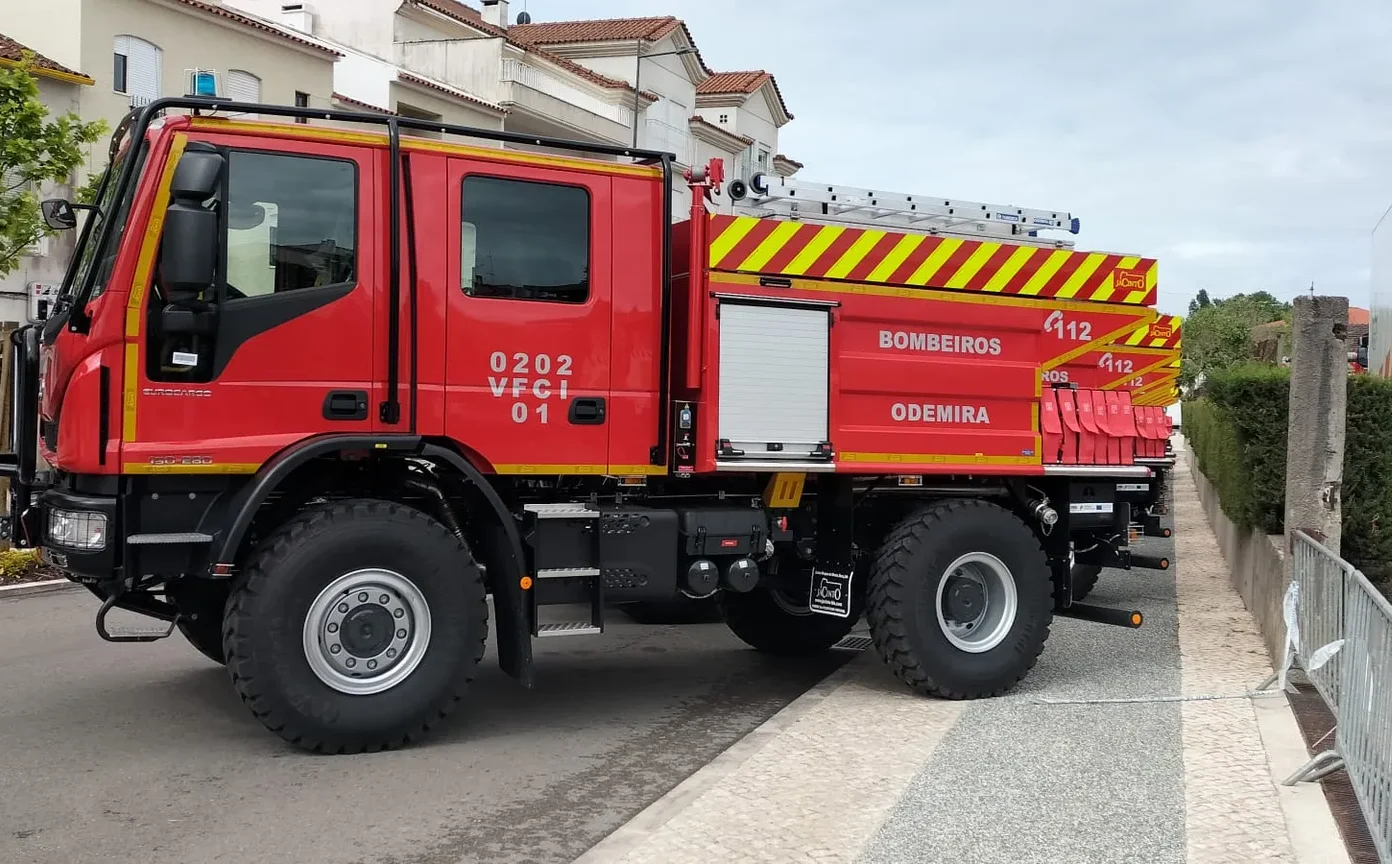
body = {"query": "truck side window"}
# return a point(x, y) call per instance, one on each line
point(522, 240)
point(291, 223)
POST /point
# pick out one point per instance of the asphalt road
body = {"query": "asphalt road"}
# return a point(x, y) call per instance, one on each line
point(143, 753)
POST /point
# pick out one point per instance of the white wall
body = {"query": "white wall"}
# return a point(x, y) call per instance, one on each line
point(362, 24)
point(364, 78)
point(53, 28)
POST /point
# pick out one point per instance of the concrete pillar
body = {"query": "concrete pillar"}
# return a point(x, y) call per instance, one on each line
point(1318, 403)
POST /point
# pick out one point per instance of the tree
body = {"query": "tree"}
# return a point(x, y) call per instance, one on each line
point(33, 149)
point(1200, 301)
point(1218, 333)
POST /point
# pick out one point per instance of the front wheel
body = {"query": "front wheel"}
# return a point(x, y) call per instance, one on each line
point(356, 627)
point(960, 600)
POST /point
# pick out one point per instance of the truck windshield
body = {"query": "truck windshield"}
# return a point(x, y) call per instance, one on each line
point(86, 255)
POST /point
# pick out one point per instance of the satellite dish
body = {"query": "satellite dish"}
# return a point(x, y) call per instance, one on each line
point(524, 17)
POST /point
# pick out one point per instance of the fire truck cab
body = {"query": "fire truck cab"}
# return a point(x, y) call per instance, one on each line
point(312, 394)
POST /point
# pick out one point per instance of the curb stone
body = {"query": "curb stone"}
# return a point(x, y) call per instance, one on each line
point(657, 814)
point(29, 589)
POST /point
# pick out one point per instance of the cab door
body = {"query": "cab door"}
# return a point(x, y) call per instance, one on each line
point(292, 352)
point(528, 334)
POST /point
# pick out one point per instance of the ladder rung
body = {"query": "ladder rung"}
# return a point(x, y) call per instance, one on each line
point(566, 572)
point(569, 628)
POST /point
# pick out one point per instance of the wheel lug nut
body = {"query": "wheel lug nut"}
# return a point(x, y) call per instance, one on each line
point(401, 634)
point(391, 652)
point(343, 607)
point(384, 599)
point(400, 613)
point(362, 597)
point(372, 664)
point(333, 628)
point(350, 663)
point(334, 649)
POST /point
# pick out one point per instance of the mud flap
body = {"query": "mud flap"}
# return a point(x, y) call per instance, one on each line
point(830, 593)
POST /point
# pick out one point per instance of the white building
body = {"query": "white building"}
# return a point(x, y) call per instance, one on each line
point(625, 81)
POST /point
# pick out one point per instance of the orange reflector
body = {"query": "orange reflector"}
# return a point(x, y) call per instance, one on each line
point(526, 583)
point(1135, 619)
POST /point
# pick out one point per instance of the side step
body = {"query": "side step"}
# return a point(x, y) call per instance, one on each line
point(569, 628)
point(1129, 618)
point(125, 634)
point(564, 539)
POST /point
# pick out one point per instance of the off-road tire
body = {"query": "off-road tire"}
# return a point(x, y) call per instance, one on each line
point(766, 625)
point(903, 585)
point(263, 628)
point(1085, 578)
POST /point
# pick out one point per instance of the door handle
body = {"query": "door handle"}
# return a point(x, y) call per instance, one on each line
point(345, 405)
point(587, 411)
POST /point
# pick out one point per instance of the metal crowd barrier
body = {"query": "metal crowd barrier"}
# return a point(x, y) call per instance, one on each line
point(1343, 642)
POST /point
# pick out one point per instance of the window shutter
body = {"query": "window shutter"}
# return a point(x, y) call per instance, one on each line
point(144, 68)
point(242, 86)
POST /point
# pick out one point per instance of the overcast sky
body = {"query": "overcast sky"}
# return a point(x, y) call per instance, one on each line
point(1246, 144)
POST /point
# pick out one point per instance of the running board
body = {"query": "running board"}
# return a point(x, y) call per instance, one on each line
point(569, 628)
point(1128, 618)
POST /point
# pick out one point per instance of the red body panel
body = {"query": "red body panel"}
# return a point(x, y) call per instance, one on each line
point(920, 380)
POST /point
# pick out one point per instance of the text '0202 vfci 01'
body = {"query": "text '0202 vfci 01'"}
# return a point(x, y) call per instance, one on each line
point(310, 396)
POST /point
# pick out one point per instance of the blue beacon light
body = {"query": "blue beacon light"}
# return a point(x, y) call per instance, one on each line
point(204, 84)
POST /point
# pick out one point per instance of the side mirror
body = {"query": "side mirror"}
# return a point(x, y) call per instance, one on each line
point(58, 214)
point(189, 247)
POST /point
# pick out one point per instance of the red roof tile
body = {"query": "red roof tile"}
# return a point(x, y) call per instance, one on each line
point(596, 30)
point(701, 121)
point(471, 17)
point(409, 78)
point(724, 83)
point(358, 103)
point(13, 51)
point(256, 24)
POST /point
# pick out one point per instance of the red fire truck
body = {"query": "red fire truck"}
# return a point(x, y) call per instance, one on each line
point(313, 392)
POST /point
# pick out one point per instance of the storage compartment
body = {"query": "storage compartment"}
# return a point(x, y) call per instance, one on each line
point(710, 533)
point(638, 553)
point(773, 379)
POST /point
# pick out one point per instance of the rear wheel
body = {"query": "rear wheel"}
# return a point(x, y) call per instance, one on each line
point(774, 618)
point(1085, 578)
point(356, 627)
point(960, 599)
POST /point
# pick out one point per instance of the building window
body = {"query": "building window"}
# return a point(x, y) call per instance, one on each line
point(291, 223)
point(522, 240)
point(763, 160)
point(137, 68)
point(118, 73)
point(301, 101)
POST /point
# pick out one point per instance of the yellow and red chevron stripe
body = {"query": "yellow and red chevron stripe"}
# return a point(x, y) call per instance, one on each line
point(1163, 332)
point(747, 244)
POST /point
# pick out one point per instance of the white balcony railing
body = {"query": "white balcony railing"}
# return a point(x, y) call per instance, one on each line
point(664, 136)
point(518, 72)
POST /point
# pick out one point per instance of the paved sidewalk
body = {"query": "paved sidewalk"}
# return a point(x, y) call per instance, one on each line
point(1113, 750)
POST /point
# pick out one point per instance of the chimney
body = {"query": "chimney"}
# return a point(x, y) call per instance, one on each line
point(495, 12)
point(297, 16)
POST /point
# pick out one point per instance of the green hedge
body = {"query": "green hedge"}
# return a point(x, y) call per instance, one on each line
point(1238, 435)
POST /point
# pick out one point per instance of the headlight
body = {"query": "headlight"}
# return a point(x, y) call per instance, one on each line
point(77, 530)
